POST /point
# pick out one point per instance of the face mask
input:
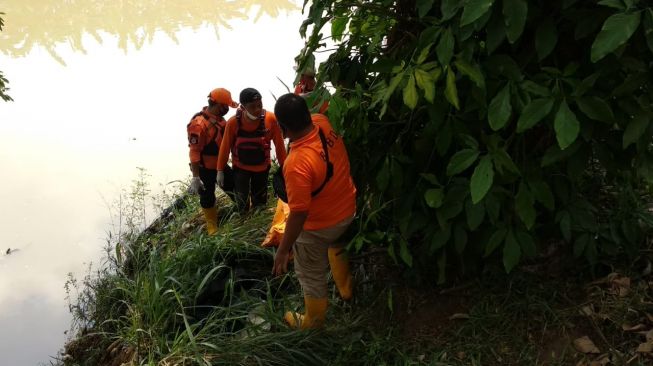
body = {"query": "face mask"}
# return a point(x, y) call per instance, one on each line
point(249, 115)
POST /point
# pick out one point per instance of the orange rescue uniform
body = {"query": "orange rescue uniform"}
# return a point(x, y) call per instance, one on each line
point(272, 133)
point(305, 170)
point(204, 129)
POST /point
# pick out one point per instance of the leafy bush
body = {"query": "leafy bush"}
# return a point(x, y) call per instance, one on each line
point(483, 129)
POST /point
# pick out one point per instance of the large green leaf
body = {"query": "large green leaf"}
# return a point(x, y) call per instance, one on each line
point(404, 253)
point(424, 54)
point(449, 8)
point(503, 160)
point(504, 65)
point(434, 197)
point(394, 82)
point(495, 240)
point(534, 112)
point(461, 160)
point(635, 129)
point(616, 30)
point(410, 93)
point(546, 38)
point(425, 82)
point(566, 126)
point(450, 90)
point(444, 49)
point(482, 179)
point(617, 4)
point(423, 7)
point(515, 13)
point(524, 206)
point(338, 26)
point(471, 71)
point(535, 88)
point(473, 10)
point(500, 109)
point(596, 109)
point(511, 252)
point(496, 33)
point(475, 214)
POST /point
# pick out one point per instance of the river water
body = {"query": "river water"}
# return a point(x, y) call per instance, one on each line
point(102, 88)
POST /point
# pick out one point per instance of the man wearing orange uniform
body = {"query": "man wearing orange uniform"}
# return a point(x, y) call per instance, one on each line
point(322, 200)
point(305, 88)
point(247, 139)
point(205, 132)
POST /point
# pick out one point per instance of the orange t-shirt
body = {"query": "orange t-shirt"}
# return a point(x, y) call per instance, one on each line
point(200, 132)
point(305, 171)
point(273, 133)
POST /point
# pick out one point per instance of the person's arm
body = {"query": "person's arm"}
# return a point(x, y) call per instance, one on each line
point(279, 145)
point(195, 169)
point(294, 226)
point(225, 145)
point(195, 146)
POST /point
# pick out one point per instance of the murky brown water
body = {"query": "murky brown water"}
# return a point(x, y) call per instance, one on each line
point(101, 88)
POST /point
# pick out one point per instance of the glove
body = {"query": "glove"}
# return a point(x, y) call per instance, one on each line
point(196, 186)
point(220, 179)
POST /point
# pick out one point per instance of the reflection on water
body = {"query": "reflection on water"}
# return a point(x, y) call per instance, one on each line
point(73, 137)
point(134, 22)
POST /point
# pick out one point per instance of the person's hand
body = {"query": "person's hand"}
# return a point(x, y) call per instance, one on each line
point(220, 179)
point(280, 262)
point(196, 185)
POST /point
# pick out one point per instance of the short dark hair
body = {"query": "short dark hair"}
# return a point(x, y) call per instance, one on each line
point(292, 112)
point(249, 95)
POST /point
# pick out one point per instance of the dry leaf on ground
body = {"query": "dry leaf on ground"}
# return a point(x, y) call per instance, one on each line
point(459, 316)
point(646, 347)
point(620, 286)
point(603, 360)
point(585, 345)
point(587, 310)
point(633, 328)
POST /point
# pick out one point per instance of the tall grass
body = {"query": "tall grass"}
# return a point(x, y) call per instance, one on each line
point(171, 295)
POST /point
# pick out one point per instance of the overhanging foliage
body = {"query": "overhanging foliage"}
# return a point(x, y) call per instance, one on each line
point(483, 129)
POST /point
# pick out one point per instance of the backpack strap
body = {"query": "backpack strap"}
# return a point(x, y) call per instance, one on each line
point(329, 165)
point(239, 116)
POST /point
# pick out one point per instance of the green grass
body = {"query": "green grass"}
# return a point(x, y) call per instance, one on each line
point(175, 296)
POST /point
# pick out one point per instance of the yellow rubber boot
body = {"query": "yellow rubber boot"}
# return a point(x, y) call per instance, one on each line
point(340, 270)
point(211, 217)
point(314, 317)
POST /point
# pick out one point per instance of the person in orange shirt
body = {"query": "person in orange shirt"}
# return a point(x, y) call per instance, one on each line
point(205, 132)
point(247, 139)
point(322, 200)
point(305, 88)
